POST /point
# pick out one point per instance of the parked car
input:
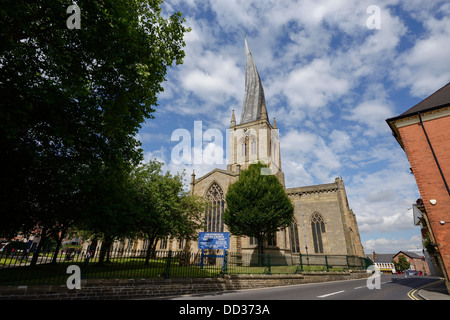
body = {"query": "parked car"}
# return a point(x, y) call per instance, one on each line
point(412, 272)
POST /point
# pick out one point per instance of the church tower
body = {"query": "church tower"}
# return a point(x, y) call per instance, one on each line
point(323, 222)
point(254, 139)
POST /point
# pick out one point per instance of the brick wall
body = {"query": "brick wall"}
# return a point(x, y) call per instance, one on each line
point(417, 264)
point(135, 288)
point(428, 178)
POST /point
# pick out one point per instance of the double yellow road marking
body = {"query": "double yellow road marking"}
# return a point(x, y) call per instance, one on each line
point(411, 294)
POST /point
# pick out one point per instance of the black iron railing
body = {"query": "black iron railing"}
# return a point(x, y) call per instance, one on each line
point(16, 268)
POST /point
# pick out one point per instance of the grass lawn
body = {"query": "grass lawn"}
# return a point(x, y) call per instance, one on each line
point(133, 268)
point(116, 269)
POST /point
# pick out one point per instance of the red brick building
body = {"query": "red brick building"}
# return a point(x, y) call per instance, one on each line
point(424, 134)
point(416, 262)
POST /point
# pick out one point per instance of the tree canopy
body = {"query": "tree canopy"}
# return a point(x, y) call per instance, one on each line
point(163, 208)
point(402, 264)
point(257, 205)
point(73, 100)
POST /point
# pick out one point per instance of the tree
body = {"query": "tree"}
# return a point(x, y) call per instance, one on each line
point(402, 264)
point(257, 205)
point(73, 100)
point(163, 207)
point(107, 211)
point(192, 218)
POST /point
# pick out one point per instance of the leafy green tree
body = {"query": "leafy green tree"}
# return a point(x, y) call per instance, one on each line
point(156, 202)
point(402, 264)
point(107, 212)
point(257, 205)
point(163, 207)
point(192, 218)
point(72, 101)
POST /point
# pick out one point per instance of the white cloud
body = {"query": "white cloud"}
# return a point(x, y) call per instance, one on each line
point(372, 115)
point(330, 82)
point(300, 142)
point(393, 245)
point(340, 141)
point(382, 200)
point(313, 86)
point(307, 159)
point(425, 67)
point(158, 155)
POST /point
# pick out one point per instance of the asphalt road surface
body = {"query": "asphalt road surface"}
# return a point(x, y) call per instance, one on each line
point(389, 287)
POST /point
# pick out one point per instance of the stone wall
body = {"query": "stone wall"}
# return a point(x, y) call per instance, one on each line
point(141, 288)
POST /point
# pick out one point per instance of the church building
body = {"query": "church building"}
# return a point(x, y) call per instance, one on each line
point(323, 221)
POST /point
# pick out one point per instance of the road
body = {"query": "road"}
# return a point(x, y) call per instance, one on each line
point(391, 287)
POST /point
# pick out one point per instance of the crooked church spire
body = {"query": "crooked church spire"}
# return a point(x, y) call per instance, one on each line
point(254, 100)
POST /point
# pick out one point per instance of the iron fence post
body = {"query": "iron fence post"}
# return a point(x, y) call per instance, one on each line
point(201, 263)
point(85, 266)
point(268, 266)
point(167, 270)
point(301, 261)
point(225, 261)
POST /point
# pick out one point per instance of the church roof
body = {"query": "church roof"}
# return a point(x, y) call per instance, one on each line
point(254, 100)
point(217, 170)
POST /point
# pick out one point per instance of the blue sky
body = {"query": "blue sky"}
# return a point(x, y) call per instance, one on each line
point(329, 80)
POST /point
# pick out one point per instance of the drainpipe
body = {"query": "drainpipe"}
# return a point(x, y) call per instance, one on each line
point(434, 155)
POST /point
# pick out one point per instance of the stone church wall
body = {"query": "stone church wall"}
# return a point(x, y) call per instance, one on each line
point(327, 205)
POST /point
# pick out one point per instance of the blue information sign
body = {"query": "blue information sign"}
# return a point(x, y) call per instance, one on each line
point(214, 240)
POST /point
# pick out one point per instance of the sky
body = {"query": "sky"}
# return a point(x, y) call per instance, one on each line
point(333, 71)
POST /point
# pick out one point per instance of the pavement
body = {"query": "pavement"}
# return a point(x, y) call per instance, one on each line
point(434, 291)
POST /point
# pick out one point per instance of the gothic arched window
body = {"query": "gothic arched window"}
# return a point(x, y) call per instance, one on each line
point(253, 145)
point(318, 228)
point(293, 235)
point(215, 209)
